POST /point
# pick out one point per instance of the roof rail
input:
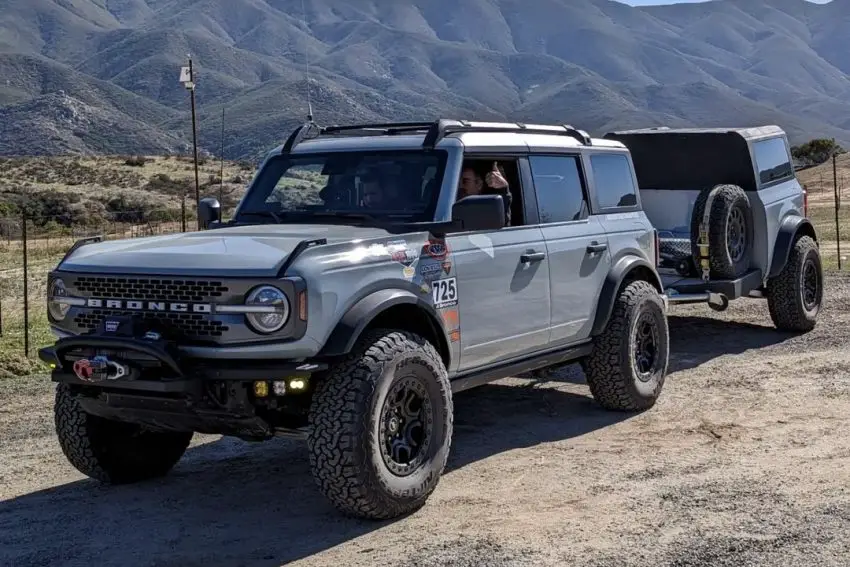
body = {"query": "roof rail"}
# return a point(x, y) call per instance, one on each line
point(387, 129)
point(443, 127)
point(434, 131)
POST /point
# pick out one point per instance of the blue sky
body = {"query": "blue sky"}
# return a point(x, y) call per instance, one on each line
point(655, 2)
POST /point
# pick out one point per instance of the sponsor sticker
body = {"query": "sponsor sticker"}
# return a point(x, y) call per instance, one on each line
point(444, 292)
point(437, 250)
point(430, 271)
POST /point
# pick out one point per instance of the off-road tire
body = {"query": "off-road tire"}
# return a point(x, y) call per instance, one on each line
point(786, 293)
point(728, 200)
point(611, 369)
point(110, 451)
point(346, 416)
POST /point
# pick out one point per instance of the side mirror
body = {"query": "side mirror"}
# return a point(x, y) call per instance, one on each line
point(480, 212)
point(209, 211)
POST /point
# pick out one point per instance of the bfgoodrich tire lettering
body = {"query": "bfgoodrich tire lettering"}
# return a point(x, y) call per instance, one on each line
point(112, 451)
point(794, 297)
point(625, 372)
point(350, 423)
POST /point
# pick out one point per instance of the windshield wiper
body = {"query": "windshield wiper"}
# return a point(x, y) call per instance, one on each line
point(271, 214)
point(342, 215)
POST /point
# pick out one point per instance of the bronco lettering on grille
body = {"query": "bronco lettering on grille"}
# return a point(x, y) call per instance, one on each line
point(136, 305)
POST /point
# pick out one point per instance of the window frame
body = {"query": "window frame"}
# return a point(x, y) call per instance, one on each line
point(566, 153)
point(596, 207)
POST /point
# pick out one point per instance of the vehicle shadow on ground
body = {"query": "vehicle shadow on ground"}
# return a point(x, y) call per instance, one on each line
point(229, 502)
point(696, 340)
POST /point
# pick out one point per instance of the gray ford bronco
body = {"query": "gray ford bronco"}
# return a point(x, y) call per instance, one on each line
point(354, 290)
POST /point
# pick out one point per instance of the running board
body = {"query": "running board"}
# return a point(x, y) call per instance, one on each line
point(717, 301)
point(491, 374)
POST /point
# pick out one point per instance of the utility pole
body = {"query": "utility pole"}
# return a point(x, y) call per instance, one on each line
point(187, 77)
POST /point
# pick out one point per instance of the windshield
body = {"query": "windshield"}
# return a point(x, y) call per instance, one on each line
point(373, 185)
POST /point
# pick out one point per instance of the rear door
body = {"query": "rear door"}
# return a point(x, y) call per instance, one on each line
point(576, 243)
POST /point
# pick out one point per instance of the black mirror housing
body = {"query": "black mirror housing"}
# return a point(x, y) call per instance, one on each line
point(480, 212)
point(209, 211)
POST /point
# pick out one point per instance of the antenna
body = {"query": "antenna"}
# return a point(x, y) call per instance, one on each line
point(221, 157)
point(307, 60)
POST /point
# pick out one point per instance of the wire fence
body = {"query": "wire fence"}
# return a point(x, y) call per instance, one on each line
point(32, 245)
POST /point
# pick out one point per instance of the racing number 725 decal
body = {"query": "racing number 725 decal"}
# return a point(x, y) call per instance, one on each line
point(444, 292)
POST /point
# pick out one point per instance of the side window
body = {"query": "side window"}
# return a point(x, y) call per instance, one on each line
point(772, 160)
point(559, 188)
point(613, 181)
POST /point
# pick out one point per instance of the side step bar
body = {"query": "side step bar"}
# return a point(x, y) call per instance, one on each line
point(717, 301)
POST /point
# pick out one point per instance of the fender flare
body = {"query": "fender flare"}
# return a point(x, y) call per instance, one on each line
point(350, 326)
point(789, 228)
point(616, 275)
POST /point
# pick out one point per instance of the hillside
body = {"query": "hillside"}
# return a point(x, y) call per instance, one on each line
point(599, 64)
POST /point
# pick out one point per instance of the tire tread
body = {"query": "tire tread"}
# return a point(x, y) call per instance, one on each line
point(608, 375)
point(338, 421)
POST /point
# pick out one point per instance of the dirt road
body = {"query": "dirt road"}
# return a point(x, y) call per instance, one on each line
point(745, 460)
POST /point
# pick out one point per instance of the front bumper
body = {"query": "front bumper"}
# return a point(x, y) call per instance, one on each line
point(150, 382)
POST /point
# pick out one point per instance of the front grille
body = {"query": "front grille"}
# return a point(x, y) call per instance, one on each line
point(152, 289)
point(191, 324)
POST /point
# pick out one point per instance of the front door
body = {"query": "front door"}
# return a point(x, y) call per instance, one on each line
point(503, 294)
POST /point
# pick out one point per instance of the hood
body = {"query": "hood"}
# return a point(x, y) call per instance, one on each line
point(240, 251)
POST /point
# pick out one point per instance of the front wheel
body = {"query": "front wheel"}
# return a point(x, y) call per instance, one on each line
point(628, 365)
point(381, 426)
point(794, 297)
point(113, 451)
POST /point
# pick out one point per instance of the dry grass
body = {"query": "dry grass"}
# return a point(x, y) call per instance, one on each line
point(818, 180)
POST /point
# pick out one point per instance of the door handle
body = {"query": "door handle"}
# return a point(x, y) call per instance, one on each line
point(595, 247)
point(532, 257)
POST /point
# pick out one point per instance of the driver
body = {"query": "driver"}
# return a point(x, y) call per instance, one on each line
point(378, 195)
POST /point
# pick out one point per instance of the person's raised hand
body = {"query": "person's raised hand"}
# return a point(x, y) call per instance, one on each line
point(495, 179)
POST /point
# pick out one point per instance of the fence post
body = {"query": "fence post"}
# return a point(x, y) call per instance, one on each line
point(26, 287)
point(837, 206)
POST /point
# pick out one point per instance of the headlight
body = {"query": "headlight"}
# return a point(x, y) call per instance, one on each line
point(57, 310)
point(271, 309)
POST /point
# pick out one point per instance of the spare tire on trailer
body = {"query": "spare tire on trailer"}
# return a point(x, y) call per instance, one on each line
point(730, 231)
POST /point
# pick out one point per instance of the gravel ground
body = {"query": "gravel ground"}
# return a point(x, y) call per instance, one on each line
point(744, 461)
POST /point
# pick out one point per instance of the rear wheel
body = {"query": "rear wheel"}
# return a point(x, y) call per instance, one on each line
point(381, 426)
point(113, 451)
point(794, 297)
point(628, 365)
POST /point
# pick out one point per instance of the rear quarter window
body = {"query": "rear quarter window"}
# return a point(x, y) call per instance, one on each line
point(612, 177)
point(772, 160)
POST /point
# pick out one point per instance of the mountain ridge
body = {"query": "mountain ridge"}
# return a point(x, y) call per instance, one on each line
point(598, 64)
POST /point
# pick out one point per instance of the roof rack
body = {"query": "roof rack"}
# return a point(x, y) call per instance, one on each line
point(386, 129)
point(434, 131)
point(442, 128)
